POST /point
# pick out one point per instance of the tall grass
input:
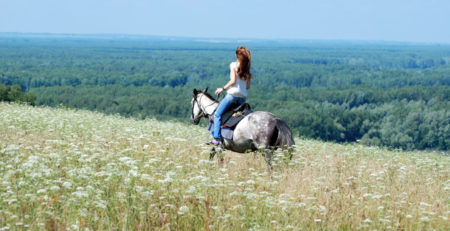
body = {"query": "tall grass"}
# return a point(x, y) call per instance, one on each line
point(78, 170)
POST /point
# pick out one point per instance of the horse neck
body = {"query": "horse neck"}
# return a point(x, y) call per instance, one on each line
point(208, 105)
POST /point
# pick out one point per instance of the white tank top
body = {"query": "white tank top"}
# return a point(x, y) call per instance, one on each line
point(239, 89)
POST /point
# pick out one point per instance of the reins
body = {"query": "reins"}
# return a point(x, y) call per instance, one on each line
point(218, 96)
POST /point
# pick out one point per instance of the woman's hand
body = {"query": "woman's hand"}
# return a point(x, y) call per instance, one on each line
point(219, 90)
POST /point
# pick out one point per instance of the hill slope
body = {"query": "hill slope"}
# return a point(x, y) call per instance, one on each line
point(67, 169)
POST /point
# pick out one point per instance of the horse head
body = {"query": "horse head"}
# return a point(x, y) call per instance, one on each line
point(196, 109)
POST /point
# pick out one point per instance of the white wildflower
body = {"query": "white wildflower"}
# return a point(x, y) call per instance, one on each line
point(191, 189)
point(81, 194)
point(67, 185)
point(424, 204)
point(377, 196)
point(133, 173)
point(101, 204)
point(183, 209)
point(323, 209)
point(54, 188)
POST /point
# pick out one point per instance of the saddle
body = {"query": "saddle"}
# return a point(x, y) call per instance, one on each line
point(231, 118)
point(235, 114)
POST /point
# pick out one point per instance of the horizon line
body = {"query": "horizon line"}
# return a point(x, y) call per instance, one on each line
point(247, 39)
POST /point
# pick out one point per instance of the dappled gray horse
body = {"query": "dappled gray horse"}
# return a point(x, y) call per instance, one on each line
point(258, 130)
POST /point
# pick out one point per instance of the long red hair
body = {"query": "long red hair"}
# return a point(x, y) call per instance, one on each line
point(245, 58)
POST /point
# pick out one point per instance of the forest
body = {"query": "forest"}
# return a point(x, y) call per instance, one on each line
point(376, 93)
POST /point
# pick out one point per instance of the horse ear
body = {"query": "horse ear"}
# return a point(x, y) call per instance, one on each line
point(195, 91)
point(206, 90)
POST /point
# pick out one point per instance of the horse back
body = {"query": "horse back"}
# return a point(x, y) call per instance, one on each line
point(264, 129)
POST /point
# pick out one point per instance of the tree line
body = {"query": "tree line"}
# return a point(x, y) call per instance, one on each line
point(394, 95)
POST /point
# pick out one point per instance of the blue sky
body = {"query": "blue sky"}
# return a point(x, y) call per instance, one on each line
point(387, 20)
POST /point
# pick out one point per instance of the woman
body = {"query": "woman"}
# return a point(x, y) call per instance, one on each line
point(237, 87)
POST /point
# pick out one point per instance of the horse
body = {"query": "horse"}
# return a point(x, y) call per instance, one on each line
point(259, 130)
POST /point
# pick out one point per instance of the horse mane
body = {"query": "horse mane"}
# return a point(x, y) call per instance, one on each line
point(210, 97)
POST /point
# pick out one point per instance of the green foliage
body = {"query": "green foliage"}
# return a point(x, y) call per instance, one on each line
point(394, 95)
point(14, 93)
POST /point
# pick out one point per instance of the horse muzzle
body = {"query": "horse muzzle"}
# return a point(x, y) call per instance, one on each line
point(195, 121)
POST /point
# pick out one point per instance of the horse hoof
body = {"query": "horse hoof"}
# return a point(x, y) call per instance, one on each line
point(212, 153)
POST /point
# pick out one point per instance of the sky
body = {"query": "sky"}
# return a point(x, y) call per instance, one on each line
point(374, 20)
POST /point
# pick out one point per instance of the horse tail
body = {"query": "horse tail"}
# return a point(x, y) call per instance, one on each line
point(282, 135)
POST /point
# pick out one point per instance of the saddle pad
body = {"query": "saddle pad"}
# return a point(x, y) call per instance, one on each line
point(225, 132)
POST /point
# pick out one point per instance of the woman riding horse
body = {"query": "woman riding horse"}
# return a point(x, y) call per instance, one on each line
point(238, 85)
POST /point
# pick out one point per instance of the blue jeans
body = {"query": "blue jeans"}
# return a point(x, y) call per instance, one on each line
point(227, 101)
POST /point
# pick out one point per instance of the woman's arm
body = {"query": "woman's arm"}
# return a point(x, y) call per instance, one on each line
point(232, 78)
point(248, 83)
point(231, 82)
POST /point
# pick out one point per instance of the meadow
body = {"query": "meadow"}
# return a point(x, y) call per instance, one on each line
point(66, 169)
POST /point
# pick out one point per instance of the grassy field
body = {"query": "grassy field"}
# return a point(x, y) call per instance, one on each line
point(77, 170)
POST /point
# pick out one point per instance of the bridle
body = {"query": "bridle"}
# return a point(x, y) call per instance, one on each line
point(202, 113)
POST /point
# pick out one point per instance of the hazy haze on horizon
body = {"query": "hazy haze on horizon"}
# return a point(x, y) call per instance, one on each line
point(388, 20)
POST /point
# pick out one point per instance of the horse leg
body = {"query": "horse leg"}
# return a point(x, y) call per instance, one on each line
point(214, 151)
point(221, 156)
point(291, 152)
point(268, 154)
